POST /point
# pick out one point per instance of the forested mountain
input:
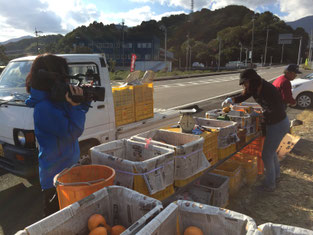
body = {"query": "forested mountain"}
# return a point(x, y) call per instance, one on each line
point(305, 22)
point(202, 31)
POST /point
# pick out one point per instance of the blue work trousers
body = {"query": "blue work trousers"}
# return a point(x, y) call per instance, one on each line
point(274, 134)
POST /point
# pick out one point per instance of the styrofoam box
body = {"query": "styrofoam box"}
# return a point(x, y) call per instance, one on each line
point(280, 229)
point(154, 163)
point(117, 204)
point(227, 130)
point(176, 217)
point(189, 156)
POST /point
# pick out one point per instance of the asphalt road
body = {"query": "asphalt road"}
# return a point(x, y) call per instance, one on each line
point(21, 202)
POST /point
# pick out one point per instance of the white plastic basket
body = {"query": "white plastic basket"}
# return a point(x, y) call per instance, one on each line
point(130, 158)
point(175, 218)
point(280, 229)
point(227, 130)
point(189, 156)
point(117, 204)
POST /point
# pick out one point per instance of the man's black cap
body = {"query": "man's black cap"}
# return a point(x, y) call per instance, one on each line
point(293, 68)
point(248, 74)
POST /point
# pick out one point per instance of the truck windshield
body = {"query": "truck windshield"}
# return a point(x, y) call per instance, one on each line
point(12, 81)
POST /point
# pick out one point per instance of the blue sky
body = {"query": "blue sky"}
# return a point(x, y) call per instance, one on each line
point(21, 17)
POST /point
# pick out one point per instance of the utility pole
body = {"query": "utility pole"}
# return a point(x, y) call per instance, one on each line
point(265, 51)
point(246, 61)
point(252, 43)
point(219, 53)
point(163, 27)
point(187, 50)
point(282, 53)
point(299, 53)
point(310, 46)
point(37, 37)
point(123, 23)
point(240, 51)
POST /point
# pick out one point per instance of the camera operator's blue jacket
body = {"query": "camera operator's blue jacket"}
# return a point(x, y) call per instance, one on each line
point(57, 128)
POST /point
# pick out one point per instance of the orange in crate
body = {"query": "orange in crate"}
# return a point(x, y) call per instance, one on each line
point(79, 181)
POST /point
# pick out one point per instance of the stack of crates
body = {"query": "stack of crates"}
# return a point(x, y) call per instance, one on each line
point(146, 169)
point(124, 105)
point(227, 134)
point(233, 170)
point(210, 149)
point(249, 167)
point(190, 161)
point(255, 148)
point(143, 98)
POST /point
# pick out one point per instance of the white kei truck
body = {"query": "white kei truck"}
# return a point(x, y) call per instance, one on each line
point(18, 146)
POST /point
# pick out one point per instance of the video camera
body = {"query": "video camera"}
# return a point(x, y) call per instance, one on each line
point(59, 87)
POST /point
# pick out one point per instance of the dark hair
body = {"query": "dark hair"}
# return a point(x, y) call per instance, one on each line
point(253, 86)
point(45, 62)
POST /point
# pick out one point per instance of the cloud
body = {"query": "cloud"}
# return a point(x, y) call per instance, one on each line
point(296, 9)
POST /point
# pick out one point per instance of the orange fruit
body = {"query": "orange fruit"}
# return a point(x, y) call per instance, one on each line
point(108, 227)
point(117, 229)
point(99, 231)
point(193, 230)
point(95, 221)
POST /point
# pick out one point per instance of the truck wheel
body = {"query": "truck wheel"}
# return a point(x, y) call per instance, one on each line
point(84, 151)
point(304, 100)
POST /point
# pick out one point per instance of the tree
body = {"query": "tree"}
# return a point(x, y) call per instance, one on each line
point(3, 57)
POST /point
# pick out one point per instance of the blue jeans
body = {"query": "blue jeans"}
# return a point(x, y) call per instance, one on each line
point(274, 134)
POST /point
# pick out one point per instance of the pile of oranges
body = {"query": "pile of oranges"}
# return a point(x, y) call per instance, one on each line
point(97, 226)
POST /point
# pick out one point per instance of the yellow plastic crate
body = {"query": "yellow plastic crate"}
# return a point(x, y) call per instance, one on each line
point(124, 106)
point(124, 115)
point(210, 146)
point(182, 183)
point(249, 137)
point(249, 166)
point(143, 110)
point(143, 93)
point(225, 152)
point(123, 96)
point(141, 187)
point(233, 170)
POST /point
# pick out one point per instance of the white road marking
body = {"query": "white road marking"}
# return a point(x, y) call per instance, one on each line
point(211, 98)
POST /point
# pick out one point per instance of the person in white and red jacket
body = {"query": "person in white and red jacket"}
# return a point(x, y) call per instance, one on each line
point(282, 83)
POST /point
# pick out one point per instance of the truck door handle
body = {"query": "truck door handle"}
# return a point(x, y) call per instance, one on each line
point(101, 106)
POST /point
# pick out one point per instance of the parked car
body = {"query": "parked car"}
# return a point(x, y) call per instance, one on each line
point(302, 91)
point(235, 65)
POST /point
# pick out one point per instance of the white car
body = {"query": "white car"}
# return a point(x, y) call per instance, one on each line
point(302, 91)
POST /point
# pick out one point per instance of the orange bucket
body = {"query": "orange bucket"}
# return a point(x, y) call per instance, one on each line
point(79, 181)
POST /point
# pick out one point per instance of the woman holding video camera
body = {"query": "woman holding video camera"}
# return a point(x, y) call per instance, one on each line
point(58, 124)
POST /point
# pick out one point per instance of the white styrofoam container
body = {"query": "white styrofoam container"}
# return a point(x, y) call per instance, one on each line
point(210, 219)
point(189, 156)
point(117, 204)
point(227, 130)
point(280, 229)
point(154, 163)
